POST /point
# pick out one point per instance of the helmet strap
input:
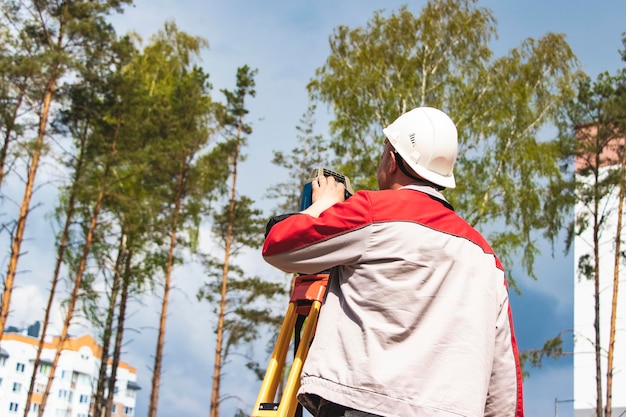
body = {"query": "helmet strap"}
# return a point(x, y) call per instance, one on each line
point(406, 172)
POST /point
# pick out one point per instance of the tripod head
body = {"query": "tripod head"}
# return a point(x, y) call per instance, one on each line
point(307, 190)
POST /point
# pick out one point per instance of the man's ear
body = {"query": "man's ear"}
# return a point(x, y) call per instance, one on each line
point(393, 164)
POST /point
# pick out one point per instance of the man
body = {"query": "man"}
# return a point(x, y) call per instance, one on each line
point(416, 320)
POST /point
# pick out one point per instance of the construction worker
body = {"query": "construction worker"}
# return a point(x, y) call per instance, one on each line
point(416, 320)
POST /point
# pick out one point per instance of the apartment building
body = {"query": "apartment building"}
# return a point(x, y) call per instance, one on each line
point(74, 382)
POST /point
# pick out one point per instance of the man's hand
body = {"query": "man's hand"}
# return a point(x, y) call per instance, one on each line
point(326, 192)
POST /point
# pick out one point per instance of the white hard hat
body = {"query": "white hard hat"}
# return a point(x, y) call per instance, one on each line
point(427, 140)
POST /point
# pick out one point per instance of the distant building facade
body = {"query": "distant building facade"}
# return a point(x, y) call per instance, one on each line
point(74, 382)
point(585, 393)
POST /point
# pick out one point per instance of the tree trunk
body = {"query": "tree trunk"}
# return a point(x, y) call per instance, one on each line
point(596, 285)
point(117, 351)
point(616, 270)
point(18, 237)
point(55, 276)
point(99, 402)
point(158, 356)
point(7, 138)
point(74, 296)
point(219, 342)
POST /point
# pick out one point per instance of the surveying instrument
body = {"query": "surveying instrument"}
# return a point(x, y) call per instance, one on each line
point(307, 294)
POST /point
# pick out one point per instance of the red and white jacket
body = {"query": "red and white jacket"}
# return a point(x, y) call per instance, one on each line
point(416, 320)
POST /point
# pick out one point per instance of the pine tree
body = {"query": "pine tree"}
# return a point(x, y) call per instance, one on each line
point(177, 181)
point(598, 139)
point(44, 28)
point(237, 225)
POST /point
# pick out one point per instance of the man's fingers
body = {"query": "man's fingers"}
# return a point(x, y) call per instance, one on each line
point(325, 180)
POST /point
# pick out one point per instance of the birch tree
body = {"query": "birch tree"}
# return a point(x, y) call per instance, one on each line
point(508, 170)
point(514, 184)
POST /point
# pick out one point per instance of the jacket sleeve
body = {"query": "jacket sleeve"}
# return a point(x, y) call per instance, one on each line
point(505, 396)
point(305, 244)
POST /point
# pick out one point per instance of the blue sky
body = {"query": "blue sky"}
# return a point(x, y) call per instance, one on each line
point(286, 41)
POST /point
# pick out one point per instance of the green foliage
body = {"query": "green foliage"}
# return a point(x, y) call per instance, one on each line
point(552, 348)
point(394, 64)
point(509, 172)
point(249, 302)
point(43, 42)
point(143, 119)
point(585, 267)
point(593, 127)
point(241, 413)
point(247, 225)
point(514, 177)
point(231, 117)
point(12, 94)
point(238, 223)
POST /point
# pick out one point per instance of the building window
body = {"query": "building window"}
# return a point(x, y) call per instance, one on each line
point(61, 413)
point(83, 399)
point(14, 407)
point(17, 387)
point(34, 407)
point(20, 367)
point(65, 394)
point(128, 411)
point(114, 409)
point(44, 368)
point(40, 388)
point(3, 360)
point(85, 379)
point(81, 378)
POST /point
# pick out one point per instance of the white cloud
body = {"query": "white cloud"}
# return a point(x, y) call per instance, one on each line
point(28, 304)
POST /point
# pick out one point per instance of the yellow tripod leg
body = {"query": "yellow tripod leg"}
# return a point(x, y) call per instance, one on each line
point(306, 301)
point(293, 380)
point(272, 376)
point(288, 402)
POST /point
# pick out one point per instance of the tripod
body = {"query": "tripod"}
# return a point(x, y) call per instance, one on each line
point(304, 306)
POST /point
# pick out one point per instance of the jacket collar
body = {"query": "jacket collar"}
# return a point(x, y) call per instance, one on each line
point(430, 191)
